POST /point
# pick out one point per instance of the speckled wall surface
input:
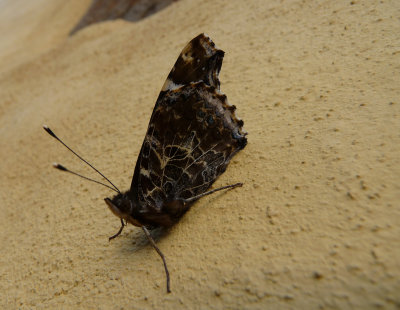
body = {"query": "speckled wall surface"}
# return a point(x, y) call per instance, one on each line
point(316, 224)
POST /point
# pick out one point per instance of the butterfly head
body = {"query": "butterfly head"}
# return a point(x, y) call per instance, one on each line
point(123, 208)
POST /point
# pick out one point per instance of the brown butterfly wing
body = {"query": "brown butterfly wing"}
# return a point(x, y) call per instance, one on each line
point(192, 135)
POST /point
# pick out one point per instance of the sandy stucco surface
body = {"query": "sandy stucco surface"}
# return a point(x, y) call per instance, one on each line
point(316, 225)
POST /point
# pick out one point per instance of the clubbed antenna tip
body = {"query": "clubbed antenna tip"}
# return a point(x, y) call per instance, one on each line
point(59, 167)
point(49, 131)
point(62, 168)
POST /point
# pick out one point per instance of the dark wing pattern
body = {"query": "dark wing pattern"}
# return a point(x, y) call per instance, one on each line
point(192, 135)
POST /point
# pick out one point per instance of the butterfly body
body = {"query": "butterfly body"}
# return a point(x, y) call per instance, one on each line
point(192, 135)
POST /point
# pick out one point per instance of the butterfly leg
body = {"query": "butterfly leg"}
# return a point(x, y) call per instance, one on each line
point(159, 253)
point(213, 191)
point(119, 231)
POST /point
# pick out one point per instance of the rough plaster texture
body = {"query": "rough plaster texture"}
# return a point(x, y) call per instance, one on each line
point(316, 225)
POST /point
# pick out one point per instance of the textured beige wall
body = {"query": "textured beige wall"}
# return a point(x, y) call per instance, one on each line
point(316, 224)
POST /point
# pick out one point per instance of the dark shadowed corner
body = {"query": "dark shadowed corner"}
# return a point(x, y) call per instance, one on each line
point(130, 10)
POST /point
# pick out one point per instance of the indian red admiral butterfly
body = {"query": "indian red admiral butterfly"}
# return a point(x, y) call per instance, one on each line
point(192, 135)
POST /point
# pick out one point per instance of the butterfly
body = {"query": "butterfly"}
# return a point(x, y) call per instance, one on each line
point(192, 135)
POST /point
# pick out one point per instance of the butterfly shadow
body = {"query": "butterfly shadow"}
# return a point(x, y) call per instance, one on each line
point(137, 240)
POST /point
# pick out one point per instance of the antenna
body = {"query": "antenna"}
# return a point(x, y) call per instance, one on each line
point(62, 168)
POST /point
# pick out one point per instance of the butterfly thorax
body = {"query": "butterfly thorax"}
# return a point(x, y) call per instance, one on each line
point(140, 214)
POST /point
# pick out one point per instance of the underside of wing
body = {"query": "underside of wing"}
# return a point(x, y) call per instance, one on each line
point(200, 60)
point(190, 141)
point(192, 135)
